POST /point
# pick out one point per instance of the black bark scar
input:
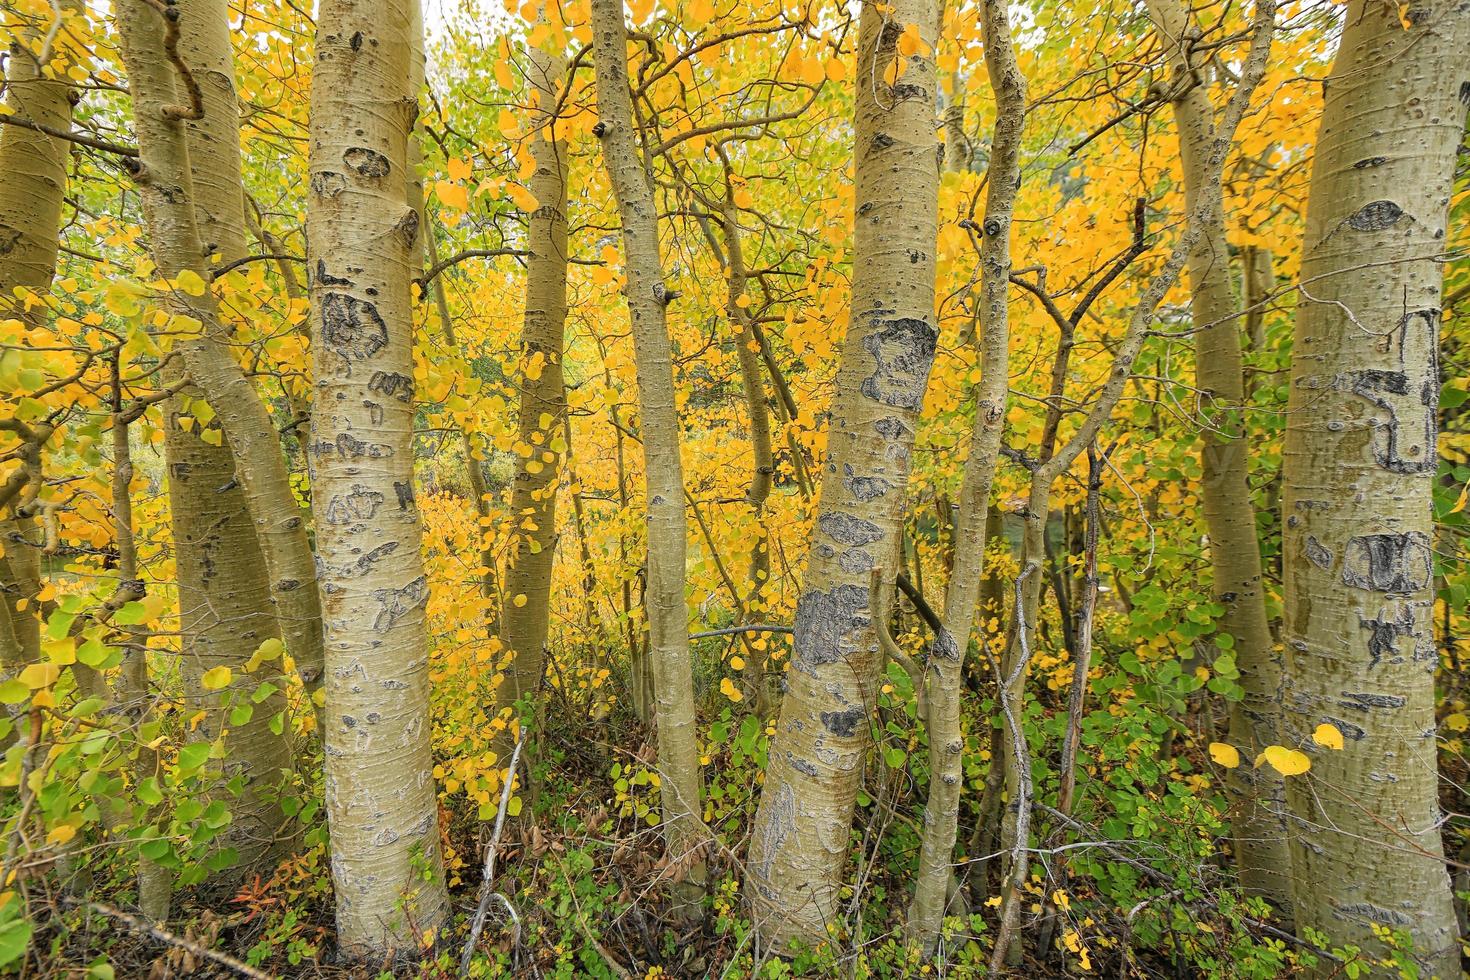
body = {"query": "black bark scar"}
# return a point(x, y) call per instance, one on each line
point(903, 352)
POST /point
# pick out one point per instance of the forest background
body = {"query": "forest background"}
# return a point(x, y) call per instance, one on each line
point(905, 487)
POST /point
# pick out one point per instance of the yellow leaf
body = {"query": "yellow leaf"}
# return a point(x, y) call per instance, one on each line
point(1328, 737)
point(216, 678)
point(270, 649)
point(523, 198)
point(737, 662)
point(459, 168)
point(836, 70)
point(700, 11)
point(513, 808)
point(1288, 762)
point(1224, 755)
point(729, 690)
point(743, 198)
point(60, 652)
point(506, 122)
point(37, 676)
point(520, 600)
point(61, 834)
point(1457, 722)
point(452, 195)
point(909, 41)
point(190, 282)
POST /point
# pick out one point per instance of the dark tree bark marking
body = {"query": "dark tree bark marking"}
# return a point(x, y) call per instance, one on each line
point(1398, 563)
point(903, 351)
point(849, 530)
point(366, 162)
point(1375, 216)
point(352, 327)
point(359, 505)
point(397, 603)
point(393, 385)
point(844, 724)
point(1364, 701)
point(1384, 633)
point(1395, 390)
point(825, 621)
point(864, 488)
point(404, 492)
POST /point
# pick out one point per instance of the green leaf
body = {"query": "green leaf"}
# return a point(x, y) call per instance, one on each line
point(15, 936)
point(59, 624)
point(93, 652)
point(895, 757)
point(149, 793)
point(193, 755)
point(131, 614)
point(87, 708)
point(13, 692)
point(155, 850)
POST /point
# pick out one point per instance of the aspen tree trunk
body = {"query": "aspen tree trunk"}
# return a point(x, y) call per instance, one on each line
point(944, 680)
point(34, 165)
point(224, 596)
point(429, 258)
point(223, 605)
point(800, 841)
point(362, 238)
point(1262, 856)
point(164, 98)
point(763, 461)
point(32, 189)
point(130, 690)
point(1021, 632)
point(526, 612)
point(669, 660)
point(1358, 468)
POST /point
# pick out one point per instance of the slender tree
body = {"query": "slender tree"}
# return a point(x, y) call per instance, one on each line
point(526, 612)
point(1259, 827)
point(648, 296)
point(31, 194)
point(1358, 474)
point(944, 681)
point(176, 95)
point(362, 237)
point(799, 845)
point(224, 595)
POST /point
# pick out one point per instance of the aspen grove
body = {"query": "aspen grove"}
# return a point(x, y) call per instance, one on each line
point(692, 488)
